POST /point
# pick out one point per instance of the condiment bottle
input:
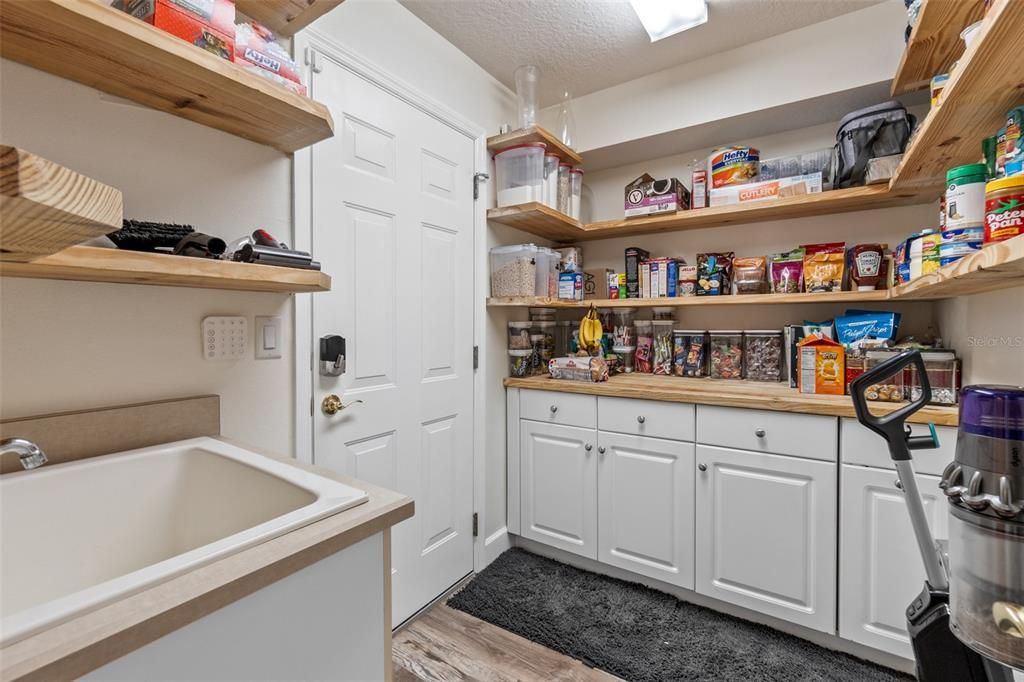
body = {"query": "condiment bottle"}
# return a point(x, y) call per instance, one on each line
point(867, 266)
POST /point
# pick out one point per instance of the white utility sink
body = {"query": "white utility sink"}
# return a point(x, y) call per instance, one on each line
point(80, 535)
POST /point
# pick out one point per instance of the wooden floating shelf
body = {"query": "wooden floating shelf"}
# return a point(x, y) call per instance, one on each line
point(91, 43)
point(543, 221)
point(286, 17)
point(684, 301)
point(996, 266)
point(985, 84)
point(935, 42)
point(534, 134)
point(728, 393)
point(91, 264)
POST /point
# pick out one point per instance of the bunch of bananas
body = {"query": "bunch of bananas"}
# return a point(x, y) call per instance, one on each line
point(590, 333)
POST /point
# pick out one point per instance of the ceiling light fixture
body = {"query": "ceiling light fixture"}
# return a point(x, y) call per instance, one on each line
point(664, 18)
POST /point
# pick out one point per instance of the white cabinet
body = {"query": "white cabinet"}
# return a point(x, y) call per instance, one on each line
point(559, 486)
point(645, 506)
point(783, 433)
point(766, 534)
point(880, 570)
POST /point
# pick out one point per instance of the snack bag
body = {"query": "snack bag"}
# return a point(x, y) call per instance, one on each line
point(786, 272)
point(714, 273)
point(749, 275)
point(824, 265)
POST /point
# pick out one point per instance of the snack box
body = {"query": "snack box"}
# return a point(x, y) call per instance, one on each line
point(257, 51)
point(209, 24)
point(733, 166)
point(647, 196)
point(570, 286)
point(822, 366)
point(769, 189)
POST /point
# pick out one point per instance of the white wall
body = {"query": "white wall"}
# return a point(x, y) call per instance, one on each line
point(74, 345)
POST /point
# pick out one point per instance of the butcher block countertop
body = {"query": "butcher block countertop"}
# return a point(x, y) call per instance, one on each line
point(72, 648)
point(727, 393)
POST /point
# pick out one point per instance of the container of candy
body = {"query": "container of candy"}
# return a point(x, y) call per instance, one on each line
point(943, 369)
point(762, 350)
point(661, 356)
point(725, 354)
point(892, 389)
point(520, 362)
point(690, 347)
point(644, 346)
point(625, 357)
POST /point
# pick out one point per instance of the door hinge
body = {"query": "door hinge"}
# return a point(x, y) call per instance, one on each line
point(311, 59)
point(476, 357)
point(477, 179)
point(476, 524)
point(311, 401)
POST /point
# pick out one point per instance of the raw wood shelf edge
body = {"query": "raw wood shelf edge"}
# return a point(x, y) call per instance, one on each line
point(286, 17)
point(96, 45)
point(539, 219)
point(534, 134)
point(747, 299)
point(935, 42)
point(996, 266)
point(727, 393)
point(91, 264)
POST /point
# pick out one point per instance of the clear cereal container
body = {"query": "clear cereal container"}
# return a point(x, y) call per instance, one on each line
point(550, 192)
point(943, 369)
point(643, 360)
point(690, 347)
point(662, 313)
point(514, 270)
point(542, 314)
point(519, 174)
point(547, 272)
point(661, 354)
point(519, 335)
point(762, 350)
point(725, 354)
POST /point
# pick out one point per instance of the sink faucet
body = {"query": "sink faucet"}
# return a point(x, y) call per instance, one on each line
point(30, 454)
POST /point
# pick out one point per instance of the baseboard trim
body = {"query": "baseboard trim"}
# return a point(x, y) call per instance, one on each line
point(829, 641)
point(496, 543)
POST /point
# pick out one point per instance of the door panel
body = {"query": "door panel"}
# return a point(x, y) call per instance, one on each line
point(766, 534)
point(646, 507)
point(559, 486)
point(392, 213)
point(880, 570)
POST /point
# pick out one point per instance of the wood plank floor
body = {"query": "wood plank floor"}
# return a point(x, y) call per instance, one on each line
point(445, 645)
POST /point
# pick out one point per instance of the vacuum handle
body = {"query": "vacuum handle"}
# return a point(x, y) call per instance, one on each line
point(891, 426)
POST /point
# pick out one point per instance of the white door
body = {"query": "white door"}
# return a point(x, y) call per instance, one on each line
point(766, 534)
point(559, 486)
point(880, 570)
point(645, 506)
point(392, 212)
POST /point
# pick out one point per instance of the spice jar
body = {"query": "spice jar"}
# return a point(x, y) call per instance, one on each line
point(762, 350)
point(725, 354)
point(520, 362)
point(661, 356)
point(1004, 209)
point(690, 347)
point(519, 335)
point(644, 346)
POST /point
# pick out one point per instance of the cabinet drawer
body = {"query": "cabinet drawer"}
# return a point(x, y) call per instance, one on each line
point(782, 433)
point(553, 407)
point(646, 418)
point(859, 445)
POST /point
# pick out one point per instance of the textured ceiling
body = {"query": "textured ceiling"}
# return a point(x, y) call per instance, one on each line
point(588, 45)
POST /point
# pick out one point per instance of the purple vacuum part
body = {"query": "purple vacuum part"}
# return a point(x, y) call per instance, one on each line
point(993, 411)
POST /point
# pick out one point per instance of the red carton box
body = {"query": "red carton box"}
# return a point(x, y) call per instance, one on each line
point(209, 24)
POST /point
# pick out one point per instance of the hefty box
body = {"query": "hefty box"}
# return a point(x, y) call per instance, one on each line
point(769, 189)
point(257, 51)
point(209, 24)
point(647, 196)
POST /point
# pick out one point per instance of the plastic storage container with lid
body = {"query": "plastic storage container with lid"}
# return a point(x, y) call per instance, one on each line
point(563, 333)
point(762, 351)
point(520, 362)
point(575, 192)
point(514, 270)
point(662, 313)
point(519, 335)
point(893, 388)
point(542, 340)
point(642, 361)
point(542, 314)
point(661, 353)
point(725, 354)
point(623, 331)
point(564, 188)
point(519, 173)
point(690, 347)
point(551, 161)
point(943, 369)
point(547, 273)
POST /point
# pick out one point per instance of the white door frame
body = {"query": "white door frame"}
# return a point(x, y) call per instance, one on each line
point(305, 365)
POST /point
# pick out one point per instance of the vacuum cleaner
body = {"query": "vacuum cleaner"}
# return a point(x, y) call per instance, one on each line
point(967, 625)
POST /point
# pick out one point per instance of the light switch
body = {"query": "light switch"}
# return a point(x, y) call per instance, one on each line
point(268, 337)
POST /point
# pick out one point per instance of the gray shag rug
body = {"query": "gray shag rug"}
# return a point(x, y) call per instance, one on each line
point(638, 633)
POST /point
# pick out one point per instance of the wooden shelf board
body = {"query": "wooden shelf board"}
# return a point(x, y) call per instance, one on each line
point(91, 264)
point(935, 42)
point(996, 266)
point(539, 219)
point(683, 301)
point(534, 134)
point(983, 87)
point(286, 17)
point(94, 44)
point(727, 393)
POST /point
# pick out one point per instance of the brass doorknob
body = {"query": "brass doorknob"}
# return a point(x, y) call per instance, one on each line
point(331, 405)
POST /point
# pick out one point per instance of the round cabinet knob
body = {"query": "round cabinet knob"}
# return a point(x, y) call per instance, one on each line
point(702, 467)
point(898, 484)
point(600, 450)
point(331, 405)
point(641, 419)
point(588, 447)
point(759, 433)
point(554, 408)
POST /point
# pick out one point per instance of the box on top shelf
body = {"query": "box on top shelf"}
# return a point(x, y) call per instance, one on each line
point(769, 189)
point(209, 24)
point(647, 196)
point(257, 51)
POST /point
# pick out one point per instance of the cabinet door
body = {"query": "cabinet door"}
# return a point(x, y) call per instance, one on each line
point(559, 486)
point(880, 569)
point(766, 534)
point(645, 506)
